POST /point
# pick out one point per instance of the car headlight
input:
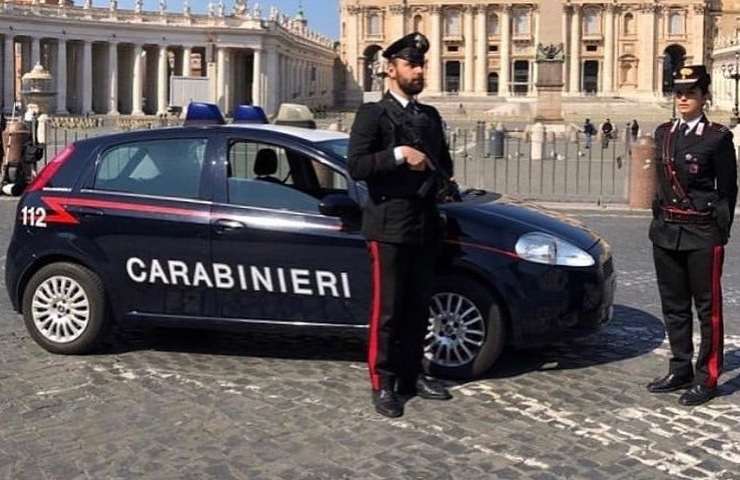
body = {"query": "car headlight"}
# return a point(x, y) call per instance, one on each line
point(540, 247)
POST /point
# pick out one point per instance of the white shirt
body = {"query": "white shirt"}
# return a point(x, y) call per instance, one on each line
point(400, 159)
point(691, 123)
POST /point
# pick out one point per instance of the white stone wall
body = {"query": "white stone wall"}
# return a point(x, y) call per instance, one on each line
point(83, 47)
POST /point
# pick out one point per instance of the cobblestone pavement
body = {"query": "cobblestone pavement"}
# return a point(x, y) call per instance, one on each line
point(174, 404)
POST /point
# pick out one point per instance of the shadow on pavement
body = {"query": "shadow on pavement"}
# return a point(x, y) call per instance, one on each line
point(630, 334)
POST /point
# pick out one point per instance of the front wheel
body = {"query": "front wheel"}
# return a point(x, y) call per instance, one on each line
point(64, 308)
point(466, 331)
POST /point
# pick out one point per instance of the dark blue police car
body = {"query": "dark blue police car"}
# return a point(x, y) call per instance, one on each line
point(219, 225)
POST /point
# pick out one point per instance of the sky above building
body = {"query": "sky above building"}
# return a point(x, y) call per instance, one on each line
point(323, 15)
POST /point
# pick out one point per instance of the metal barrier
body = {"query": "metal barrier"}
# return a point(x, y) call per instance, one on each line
point(561, 170)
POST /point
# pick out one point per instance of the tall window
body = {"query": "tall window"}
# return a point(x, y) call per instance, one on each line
point(453, 23)
point(493, 24)
point(520, 21)
point(629, 24)
point(373, 24)
point(675, 23)
point(591, 22)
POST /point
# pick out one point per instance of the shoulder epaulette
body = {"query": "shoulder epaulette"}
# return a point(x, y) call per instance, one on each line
point(718, 127)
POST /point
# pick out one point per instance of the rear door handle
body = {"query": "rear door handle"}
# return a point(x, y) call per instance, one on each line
point(224, 225)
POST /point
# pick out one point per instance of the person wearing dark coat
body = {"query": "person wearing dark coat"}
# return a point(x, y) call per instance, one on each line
point(692, 217)
point(397, 146)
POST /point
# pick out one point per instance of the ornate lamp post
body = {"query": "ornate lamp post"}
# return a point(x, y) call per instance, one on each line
point(732, 72)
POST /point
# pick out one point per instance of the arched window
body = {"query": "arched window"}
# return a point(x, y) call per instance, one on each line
point(453, 23)
point(492, 24)
point(675, 22)
point(591, 22)
point(629, 24)
point(418, 23)
point(520, 21)
point(373, 24)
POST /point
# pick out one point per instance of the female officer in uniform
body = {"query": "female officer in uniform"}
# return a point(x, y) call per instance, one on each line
point(693, 212)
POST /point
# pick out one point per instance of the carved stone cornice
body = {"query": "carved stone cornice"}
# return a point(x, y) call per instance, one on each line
point(480, 9)
point(435, 9)
point(397, 9)
point(354, 9)
point(699, 9)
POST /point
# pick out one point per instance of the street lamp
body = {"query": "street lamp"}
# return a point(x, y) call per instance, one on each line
point(732, 72)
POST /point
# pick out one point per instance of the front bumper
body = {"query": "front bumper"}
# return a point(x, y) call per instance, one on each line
point(564, 303)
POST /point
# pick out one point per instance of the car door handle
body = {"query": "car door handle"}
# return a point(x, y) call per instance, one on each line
point(224, 225)
point(86, 211)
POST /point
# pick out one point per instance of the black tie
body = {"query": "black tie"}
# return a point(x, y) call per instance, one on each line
point(683, 129)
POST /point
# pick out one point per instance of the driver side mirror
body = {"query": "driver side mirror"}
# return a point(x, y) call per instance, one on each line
point(339, 205)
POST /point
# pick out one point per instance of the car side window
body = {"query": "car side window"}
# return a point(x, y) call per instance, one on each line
point(260, 175)
point(170, 168)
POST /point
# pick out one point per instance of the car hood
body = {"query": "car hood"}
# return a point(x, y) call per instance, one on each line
point(511, 217)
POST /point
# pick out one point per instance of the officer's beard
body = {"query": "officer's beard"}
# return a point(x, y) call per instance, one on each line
point(411, 86)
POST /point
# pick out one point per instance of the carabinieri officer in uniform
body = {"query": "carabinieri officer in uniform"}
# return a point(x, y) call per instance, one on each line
point(398, 147)
point(693, 213)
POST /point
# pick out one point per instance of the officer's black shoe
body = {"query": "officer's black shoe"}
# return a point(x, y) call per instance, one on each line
point(431, 389)
point(387, 403)
point(697, 395)
point(670, 383)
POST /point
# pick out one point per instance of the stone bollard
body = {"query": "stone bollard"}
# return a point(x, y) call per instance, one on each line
point(43, 124)
point(736, 138)
point(572, 134)
point(642, 173)
point(538, 140)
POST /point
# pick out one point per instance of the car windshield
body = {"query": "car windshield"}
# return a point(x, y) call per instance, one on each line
point(337, 148)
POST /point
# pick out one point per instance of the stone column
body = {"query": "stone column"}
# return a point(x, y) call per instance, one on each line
point(257, 77)
point(272, 89)
point(221, 77)
point(535, 67)
point(565, 21)
point(35, 51)
point(697, 33)
point(87, 73)
point(162, 80)
point(8, 73)
point(435, 51)
point(61, 76)
point(469, 73)
point(575, 50)
point(397, 17)
point(646, 69)
point(608, 83)
point(187, 52)
point(505, 51)
point(481, 57)
point(113, 77)
point(353, 54)
point(137, 82)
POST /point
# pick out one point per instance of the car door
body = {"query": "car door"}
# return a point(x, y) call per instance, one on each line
point(146, 210)
point(287, 261)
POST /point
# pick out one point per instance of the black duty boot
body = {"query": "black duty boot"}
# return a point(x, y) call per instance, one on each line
point(670, 383)
point(387, 403)
point(697, 395)
point(431, 389)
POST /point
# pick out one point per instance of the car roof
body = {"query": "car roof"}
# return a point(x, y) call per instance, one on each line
point(309, 134)
point(305, 135)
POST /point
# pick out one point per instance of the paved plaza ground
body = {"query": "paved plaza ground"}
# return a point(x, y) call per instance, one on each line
point(180, 405)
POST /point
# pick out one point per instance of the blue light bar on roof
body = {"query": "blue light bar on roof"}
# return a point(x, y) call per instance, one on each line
point(202, 113)
point(249, 114)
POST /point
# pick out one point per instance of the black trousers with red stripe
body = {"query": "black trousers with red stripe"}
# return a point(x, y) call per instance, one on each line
point(683, 276)
point(402, 281)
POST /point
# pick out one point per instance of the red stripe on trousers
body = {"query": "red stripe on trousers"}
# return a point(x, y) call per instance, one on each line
point(372, 355)
point(714, 353)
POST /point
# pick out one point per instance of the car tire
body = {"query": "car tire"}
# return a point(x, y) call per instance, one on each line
point(65, 307)
point(493, 339)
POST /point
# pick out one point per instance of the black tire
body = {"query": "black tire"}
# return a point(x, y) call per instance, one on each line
point(92, 331)
point(495, 329)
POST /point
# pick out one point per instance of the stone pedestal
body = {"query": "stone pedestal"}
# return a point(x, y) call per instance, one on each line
point(549, 91)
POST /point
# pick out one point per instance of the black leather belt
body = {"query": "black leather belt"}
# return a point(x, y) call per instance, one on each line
point(677, 215)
